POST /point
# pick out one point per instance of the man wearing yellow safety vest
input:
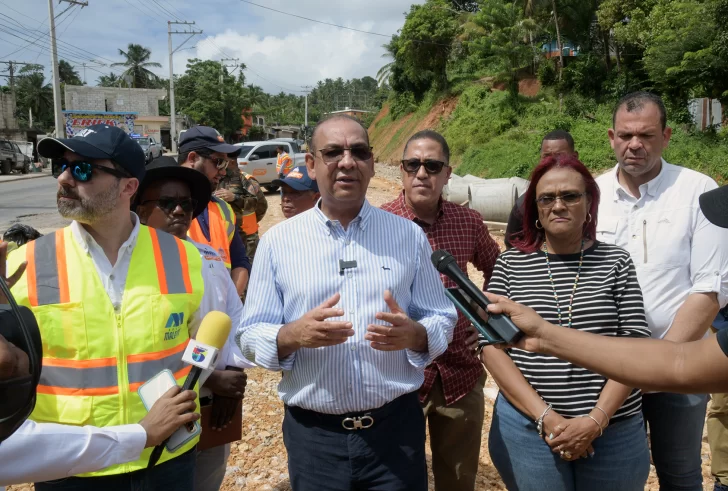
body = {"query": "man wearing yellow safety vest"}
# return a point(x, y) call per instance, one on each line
point(116, 302)
point(203, 149)
point(243, 193)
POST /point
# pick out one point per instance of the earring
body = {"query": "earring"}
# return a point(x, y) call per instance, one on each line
point(588, 218)
point(538, 225)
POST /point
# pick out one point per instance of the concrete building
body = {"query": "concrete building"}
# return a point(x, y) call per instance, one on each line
point(134, 110)
point(9, 128)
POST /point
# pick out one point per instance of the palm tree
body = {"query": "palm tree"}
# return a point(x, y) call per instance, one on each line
point(137, 65)
point(37, 95)
point(384, 73)
point(110, 80)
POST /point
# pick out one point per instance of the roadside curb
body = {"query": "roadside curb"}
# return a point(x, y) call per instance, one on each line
point(23, 177)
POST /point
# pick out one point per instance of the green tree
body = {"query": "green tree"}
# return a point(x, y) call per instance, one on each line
point(203, 98)
point(424, 46)
point(34, 94)
point(137, 66)
point(67, 75)
point(506, 42)
point(110, 80)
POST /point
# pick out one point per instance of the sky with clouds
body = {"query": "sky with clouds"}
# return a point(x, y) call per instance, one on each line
point(283, 53)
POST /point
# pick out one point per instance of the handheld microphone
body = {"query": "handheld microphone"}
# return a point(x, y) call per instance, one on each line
point(202, 353)
point(501, 324)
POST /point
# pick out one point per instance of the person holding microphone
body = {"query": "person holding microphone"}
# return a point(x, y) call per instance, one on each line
point(59, 451)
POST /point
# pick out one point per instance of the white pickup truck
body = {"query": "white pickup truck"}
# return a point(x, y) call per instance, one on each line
point(259, 160)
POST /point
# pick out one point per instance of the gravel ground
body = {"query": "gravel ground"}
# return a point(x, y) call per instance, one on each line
point(258, 461)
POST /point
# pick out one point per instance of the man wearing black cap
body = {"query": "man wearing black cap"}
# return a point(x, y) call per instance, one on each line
point(169, 198)
point(202, 148)
point(114, 300)
point(298, 192)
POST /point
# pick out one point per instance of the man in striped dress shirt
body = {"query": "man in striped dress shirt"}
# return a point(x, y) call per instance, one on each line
point(352, 326)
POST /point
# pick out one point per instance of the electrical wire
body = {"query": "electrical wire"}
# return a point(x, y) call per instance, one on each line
point(337, 25)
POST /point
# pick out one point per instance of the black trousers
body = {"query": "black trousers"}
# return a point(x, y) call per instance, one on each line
point(177, 474)
point(388, 456)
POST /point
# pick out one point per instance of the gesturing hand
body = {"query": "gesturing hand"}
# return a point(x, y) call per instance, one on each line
point(314, 331)
point(404, 333)
point(3, 270)
point(225, 194)
point(228, 383)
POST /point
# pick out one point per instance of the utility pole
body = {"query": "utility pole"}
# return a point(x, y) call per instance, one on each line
point(173, 114)
point(222, 85)
point(307, 88)
point(11, 73)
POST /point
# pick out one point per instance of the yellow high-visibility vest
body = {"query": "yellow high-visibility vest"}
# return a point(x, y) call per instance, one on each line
point(221, 222)
point(94, 358)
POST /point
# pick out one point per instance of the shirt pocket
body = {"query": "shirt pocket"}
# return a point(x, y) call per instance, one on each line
point(666, 239)
point(607, 229)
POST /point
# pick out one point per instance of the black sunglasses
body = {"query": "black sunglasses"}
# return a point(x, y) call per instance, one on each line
point(412, 166)
point(360, 153)
point(82, 170)
point(220, 162)
point(168, 205)
point(567, 199)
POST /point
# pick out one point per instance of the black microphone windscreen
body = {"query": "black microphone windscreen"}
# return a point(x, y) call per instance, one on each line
point(441, 259)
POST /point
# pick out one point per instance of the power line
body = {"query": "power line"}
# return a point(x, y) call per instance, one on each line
point(164, 9)
point(316, 21)
point(337, 25)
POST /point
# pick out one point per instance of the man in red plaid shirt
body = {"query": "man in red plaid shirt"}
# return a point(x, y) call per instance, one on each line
point(452, 395)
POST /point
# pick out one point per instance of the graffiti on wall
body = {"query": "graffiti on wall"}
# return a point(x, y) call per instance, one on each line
point(76, 120)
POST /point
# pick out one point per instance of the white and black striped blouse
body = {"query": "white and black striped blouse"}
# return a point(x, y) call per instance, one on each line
point(608, 301)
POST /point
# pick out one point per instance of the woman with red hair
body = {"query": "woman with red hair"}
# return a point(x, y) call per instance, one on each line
point(557, 426)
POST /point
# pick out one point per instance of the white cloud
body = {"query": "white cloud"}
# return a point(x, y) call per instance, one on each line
point(287, 51)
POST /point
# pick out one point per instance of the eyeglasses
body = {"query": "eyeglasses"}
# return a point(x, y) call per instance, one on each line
point(568, 199)
point(81, 170)
point(168, 205)
point(412, 166)
point(360, 153)
point(220, 162)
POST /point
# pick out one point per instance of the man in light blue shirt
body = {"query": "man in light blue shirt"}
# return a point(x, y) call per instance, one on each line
point(352, 319)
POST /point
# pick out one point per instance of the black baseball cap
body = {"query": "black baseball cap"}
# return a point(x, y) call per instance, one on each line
point(714, 205)
point(298, 179)
point(167, 168)
point(206, 137)
point(100, 142)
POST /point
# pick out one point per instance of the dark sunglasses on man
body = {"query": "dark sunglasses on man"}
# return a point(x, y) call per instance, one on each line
point(412, 166)
point(168, 204)
point(219, 162)
point(334, 155)
point(82, 170)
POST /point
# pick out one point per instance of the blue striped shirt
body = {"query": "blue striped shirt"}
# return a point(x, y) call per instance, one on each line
point(391, 253)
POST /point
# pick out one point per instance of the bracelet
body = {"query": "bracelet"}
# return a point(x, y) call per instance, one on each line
point(601, 432)
point(605, 415)
point(539, 421)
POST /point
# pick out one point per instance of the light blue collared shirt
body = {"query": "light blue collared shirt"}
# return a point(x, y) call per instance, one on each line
point(297, 269)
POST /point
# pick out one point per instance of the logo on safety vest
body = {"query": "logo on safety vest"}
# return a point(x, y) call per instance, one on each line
point(174, 325)
point(198, 354)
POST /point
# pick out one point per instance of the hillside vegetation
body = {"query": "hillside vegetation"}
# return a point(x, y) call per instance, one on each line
point(575, 60)
point(488, 138)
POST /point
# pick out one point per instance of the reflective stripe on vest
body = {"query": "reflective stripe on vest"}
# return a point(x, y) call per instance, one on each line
point(49, 285)
point(221, 229)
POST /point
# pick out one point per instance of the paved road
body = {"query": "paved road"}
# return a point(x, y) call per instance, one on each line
point(31, 201)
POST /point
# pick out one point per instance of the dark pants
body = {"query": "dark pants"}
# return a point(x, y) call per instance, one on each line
point(177, 474)
point(388, 456)
point(676, 435)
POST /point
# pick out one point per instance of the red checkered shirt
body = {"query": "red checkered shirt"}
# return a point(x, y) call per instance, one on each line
point(462, 233)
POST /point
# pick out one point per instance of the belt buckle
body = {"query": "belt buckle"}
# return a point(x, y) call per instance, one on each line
point(358, 422)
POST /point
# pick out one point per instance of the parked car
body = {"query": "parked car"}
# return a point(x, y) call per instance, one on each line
point(152, 148)
point(259, 160)
point(11, 158)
